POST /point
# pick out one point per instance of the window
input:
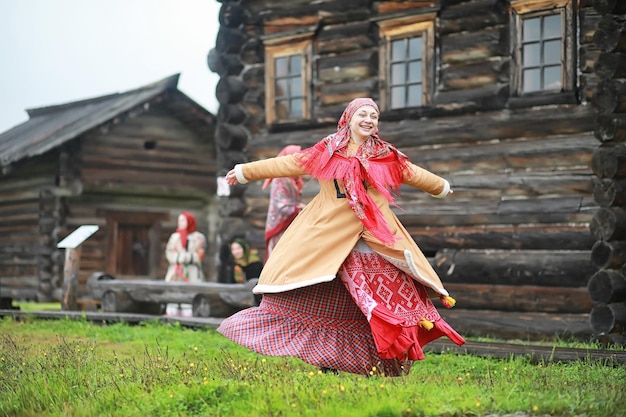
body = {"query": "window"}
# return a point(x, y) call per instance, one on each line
point(287, 80)
point(406, 62)
point(406, 82)
point(543, 46)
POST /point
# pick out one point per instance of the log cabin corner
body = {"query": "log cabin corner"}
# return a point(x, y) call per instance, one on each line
point(128, 163)
point(508, 99)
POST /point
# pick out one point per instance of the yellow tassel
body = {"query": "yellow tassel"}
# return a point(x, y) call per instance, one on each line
point(426, 324)
point(447, 301)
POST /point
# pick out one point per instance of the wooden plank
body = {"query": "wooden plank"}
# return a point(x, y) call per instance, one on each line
point(339, 93)
point(423, 212)
point(466, 46)
point(470, 17)
point(25, 183)
point(9, 281)
point(550, 268)
point(473, 74)
point(158, 124)
point(515, 325)
point(161, 291)
point(192, 156)
point(562, 236)
point(521, 298)
point(507, 156)
point(517, 184)
point(349, 36)
point(383, 7)
point(180, 166)
point(70, 278)
point(348, 66)
point(29, 294)
point(535, 352)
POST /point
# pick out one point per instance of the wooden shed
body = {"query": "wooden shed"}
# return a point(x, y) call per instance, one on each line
point(495, 95)
point(128, 163)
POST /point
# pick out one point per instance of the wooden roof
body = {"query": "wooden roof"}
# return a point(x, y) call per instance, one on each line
point(52, 126)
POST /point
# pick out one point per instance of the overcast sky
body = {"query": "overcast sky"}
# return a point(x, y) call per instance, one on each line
point(57, 51)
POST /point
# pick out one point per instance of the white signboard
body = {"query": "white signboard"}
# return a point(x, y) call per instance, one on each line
point(223, 189)
point(78, 236)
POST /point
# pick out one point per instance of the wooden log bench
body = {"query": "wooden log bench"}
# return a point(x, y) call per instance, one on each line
point(207, 299)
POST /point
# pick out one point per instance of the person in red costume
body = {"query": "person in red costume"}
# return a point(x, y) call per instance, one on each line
point(185, 251)
point(285, 203)
point(346, 288)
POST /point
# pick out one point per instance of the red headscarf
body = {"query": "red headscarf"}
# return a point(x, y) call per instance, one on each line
point(377, 163)
point(191, 227)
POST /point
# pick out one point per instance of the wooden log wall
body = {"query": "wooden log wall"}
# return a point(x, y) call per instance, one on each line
point(518, 225)
point(607, 286)
point(233, 56)
point(30, 212)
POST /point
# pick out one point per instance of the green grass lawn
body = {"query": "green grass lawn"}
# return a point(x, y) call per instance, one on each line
point(76, 368)
point(32, 306)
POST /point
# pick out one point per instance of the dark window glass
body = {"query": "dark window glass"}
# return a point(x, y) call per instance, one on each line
point(552, 77)
point(296, 107)
point(532, 80)
point(552, 52)
point(406, 79)
point(531, 54)
point(552, 27)
point(542, 43)
point(415, 95)
point(281, 67)
point(282, 88)
point(288, 87)
point(397, 97)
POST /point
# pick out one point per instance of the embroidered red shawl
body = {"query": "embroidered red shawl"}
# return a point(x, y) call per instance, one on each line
point(376, 164)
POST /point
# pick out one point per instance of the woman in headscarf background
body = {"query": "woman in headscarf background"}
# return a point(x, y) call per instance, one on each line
point(245, 264)
point(185, 251)
point(284, 204)
point(246, 261)
point(378, 315)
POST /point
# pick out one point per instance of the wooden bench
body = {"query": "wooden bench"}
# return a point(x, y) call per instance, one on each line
point(207, 299)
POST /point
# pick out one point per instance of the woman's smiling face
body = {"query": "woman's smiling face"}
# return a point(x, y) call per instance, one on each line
point(364, 123)
point(237, 250)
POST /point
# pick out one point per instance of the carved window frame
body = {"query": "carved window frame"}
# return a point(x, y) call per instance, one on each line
point(525, 9)
point(402, 28)
point(280, 49)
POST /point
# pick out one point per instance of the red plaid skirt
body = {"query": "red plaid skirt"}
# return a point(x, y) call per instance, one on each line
point(323, 325)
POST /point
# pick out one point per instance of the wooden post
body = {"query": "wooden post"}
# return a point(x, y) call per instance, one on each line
point(70, 278)
point(71, 244)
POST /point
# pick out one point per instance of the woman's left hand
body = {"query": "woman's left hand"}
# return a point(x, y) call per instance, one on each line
point(231, 178)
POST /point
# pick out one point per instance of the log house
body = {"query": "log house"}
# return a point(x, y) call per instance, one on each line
point(495, 95)
point(127, 162)
point(607, 285)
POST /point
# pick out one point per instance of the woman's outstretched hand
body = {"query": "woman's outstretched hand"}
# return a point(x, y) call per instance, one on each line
point(231, 178)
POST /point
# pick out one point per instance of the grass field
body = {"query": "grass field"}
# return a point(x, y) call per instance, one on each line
point(76, 368)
